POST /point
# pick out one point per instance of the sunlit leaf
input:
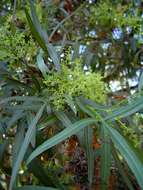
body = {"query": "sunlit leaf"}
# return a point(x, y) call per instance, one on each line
point(132, 107)
point(41, 64)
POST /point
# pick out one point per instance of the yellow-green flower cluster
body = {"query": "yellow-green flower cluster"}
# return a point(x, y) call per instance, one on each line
point(130, 133)
point(74, 82)
point(16, 45)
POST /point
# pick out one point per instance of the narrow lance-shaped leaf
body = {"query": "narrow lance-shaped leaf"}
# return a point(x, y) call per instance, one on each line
point(41, 36)
point(128, 154)
point(105, 158)
point(49, 121)
point(124, 111)
point(84, 108)
point(121, 170)
point(23, 107)
point(3, 147)
point(93, 104)
point(37, 24)
point(30, 187)
point(16, 116)
point(130, 108)
point(63, 118)
point(20, 98)
point(41, 64)
point(69, 131)
point(24, 146)
point(134, 163)
point(140, 85)
point(35, 33)
point(18, 140)
point(88, 137)
point(54, 56)
point(71, 103)
point(33, 138)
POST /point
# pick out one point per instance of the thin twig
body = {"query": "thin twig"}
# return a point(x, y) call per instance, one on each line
point(64, 20)
point(14, 10)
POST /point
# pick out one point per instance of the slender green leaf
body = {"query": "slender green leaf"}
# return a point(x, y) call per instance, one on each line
point(20, 98)
point(18, 140)
point(25, 146)
point(63, 118)
point(121, 170)
point(131, 158)
point(71, 103)
point(88, 137)
point(54, 56)
point(24, 107)
point(35, 32)
point(15, 117)
point(30, 117)
point(84, 108)
point(41, 64)
point(95, 105)
point(140, 85)
point(67, 132)
point(30, 187)
point(15, 83)
point(41, 36)
point(49, 121)
point(37, 24)
point(132, 107)
point(105, 158)
point(128, 154)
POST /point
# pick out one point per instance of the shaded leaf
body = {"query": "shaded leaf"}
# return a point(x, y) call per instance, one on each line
point(131, 158)
point(30, 187)
point(88, 137)
point(24, 146)
point(72, 129)
point(121, 170)
point(35, 32)
point(105, 158)
point(20, 98)
point(41, 36)
point(63, 118)
point(140, 85)
point(18, 140)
